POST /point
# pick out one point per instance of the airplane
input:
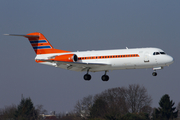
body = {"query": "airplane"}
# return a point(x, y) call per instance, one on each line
point(99, 60)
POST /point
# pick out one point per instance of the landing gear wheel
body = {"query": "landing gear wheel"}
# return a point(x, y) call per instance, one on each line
point(154, 74)
point(87, 77)
point(105, 78)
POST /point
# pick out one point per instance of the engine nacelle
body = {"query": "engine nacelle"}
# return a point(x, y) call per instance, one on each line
point(66, 58)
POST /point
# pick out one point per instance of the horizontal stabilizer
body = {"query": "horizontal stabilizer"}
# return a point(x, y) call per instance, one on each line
point(36, 36)
point(39, 43)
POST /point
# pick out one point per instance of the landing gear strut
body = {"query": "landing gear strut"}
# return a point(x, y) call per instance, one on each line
point(156, 68)
point(105, 77)
point(87, 76)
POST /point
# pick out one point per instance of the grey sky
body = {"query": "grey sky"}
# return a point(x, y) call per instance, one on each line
point(85, 25)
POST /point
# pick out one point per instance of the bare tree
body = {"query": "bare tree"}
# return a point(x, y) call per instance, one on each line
point(40, 111)
point(82, 106)
point(133, 99)
point(137, 98)
point(8, 112)
point(99, 108)
point(116, 100)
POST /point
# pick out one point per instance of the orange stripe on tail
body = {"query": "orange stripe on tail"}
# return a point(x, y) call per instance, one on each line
point(41, 45)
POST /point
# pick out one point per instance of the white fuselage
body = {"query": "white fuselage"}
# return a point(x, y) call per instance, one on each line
point(118, 59)
point(99, 60)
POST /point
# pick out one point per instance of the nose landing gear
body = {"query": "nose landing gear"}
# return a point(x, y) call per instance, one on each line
point(156, 68)
point(154, 73)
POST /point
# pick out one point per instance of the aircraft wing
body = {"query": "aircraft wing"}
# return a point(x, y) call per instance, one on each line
point(78, 66)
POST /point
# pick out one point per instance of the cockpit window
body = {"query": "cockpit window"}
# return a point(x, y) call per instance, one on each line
point(162, 53)
point(158, 53)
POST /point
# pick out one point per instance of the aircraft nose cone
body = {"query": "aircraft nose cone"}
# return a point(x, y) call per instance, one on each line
point(170, 60)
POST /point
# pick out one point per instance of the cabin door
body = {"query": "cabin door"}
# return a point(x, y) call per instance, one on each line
point(146, 57)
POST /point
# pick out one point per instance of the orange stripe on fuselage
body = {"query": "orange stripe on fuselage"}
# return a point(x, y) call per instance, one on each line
point(109, 56)
point(103, 57)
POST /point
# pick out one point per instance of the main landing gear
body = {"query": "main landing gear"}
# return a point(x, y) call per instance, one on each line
point(87, 76)
point(105, 77)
